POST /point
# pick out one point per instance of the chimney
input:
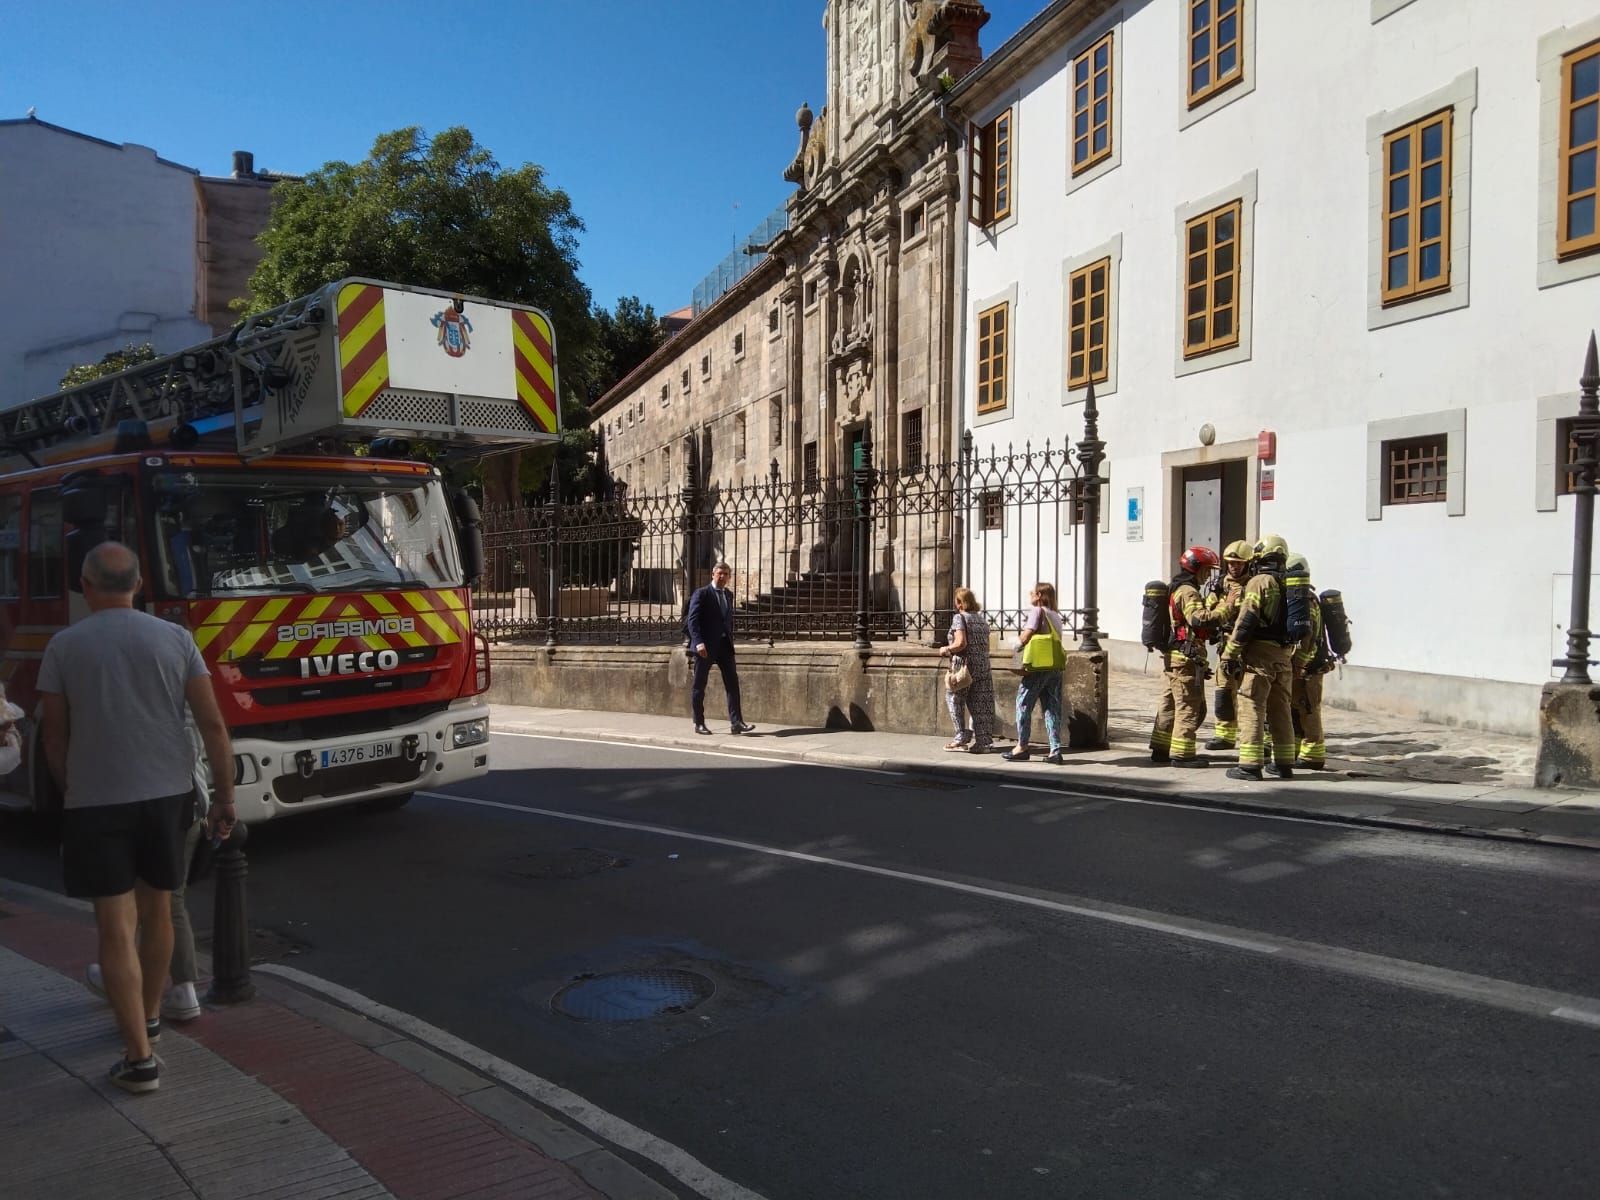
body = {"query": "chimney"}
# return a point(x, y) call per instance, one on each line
point(244, 164)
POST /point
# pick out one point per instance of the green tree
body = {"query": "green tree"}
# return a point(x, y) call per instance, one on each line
point(629, 334)
point(442, 213)
point(118, 360)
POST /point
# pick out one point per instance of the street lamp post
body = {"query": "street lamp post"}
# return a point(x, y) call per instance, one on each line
point(1586, 435)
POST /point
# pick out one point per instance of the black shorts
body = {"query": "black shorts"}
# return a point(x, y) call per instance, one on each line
point(105, 849)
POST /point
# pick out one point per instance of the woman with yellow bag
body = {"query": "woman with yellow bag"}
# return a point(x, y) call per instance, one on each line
point(1044, 660)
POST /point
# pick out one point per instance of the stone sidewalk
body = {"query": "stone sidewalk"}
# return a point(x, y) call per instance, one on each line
point(287, 1097)
point(1382, 771)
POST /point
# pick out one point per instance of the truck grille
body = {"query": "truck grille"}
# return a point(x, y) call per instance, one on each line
point(342, 781)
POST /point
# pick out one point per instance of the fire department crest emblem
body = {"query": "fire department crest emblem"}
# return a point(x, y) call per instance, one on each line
point(455, 331)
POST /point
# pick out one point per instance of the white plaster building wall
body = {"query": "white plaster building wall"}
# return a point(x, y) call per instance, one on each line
point(97, 249)
point(1316, 375)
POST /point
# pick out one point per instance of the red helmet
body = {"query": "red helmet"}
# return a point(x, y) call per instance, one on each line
point(1197, 560)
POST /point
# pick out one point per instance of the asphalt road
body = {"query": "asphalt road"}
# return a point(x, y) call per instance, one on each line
point(925, 990)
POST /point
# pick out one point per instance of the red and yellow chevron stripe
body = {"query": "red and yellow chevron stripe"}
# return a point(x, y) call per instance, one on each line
point(229, 630)
point(363, 346)
point(536, 367)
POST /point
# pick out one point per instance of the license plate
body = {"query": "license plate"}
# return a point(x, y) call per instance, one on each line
point(344, 756)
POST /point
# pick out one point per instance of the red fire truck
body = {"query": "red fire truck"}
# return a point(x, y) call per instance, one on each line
point(268, 483)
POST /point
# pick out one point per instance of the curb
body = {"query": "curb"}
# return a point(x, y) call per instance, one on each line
point(1079, 784)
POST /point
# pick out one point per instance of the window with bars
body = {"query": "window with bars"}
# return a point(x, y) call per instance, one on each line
point(666, 466)
point(1416, 208)
point(992, 510)
point(683, 379)
point(911, 438)
point(1088, 324)
point(810, 480)
point(993, 338)
point(775, 411)
point(739, 442)
point(1211, 281)
point(666, 397)
point(912, 226)
point(1091, 105)
point(772, 319)
point(705, 366)
point(1567, 476)
point(1415, 469)
point(1216, 61)
point(738, 345)
point(990, 171)
point(1579, 231)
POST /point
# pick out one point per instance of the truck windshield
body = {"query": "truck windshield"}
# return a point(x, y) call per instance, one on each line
point(258, 533)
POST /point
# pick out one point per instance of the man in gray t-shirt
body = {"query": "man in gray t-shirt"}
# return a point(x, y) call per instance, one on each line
point(115, 687)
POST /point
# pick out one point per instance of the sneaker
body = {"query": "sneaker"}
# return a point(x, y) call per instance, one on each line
point(95, 980)
point(137, 1076)
point(1017, 754)
point(1253, 773)
point(1055, 757)
point(180, 1003)
point(1217, 743)
point(152, 1030)
point(1280, 771)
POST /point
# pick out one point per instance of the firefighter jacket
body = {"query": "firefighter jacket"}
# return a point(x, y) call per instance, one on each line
point(1224, 603)
point(1258, 611)
point(1191, 624)
point(1310, 657)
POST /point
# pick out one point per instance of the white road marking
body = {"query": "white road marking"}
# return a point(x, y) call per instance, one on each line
point(683, 1166)
point(1441, 981)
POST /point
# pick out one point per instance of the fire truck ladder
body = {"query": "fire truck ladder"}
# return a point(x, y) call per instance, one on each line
point(208, 387)
point(276, 382)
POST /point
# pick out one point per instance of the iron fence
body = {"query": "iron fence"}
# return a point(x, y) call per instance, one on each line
point(864, 556)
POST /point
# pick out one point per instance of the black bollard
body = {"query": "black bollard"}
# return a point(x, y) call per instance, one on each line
point(230, 925)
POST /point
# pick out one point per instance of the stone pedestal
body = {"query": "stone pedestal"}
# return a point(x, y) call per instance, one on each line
point(1569, 736)
point(1088, 697)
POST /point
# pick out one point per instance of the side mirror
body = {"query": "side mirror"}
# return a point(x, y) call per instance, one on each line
point(83, 504)
point(469, 526)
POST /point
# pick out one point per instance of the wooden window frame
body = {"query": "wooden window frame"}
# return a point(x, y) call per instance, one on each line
point(993, 376)
point(1566, 245)
point(1215, 84)
point(1090, 157)
point(1096, 331)
point(1210, 219)
point(1411, 211)
point(991, 169)
point(1400, 454)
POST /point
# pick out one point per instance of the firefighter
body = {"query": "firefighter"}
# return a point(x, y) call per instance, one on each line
point(1183, 703)
point(1259, 658)
point(1224, 612)
point(1312, 660)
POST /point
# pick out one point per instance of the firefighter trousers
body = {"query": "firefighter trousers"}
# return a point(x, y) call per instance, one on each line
point(1265, 705)
point(1227, 708)
point(1182, 708)
point(1308, 719)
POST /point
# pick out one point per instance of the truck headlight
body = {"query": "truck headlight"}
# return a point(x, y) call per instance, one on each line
point(469, 733)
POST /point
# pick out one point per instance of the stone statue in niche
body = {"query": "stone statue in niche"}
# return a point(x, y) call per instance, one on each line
point(853, 327)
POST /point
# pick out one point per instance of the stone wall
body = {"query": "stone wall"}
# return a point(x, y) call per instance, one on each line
point(895, 688)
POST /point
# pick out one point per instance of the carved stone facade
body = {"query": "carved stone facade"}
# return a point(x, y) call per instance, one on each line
point(849, 326)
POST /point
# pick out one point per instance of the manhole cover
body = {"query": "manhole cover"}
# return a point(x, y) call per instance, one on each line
point(568, 864)
point(632, 995)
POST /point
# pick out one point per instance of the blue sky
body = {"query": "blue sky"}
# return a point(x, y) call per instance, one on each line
point(669, 124)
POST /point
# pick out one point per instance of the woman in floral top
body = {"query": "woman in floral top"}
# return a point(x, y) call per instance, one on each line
point(969, 644)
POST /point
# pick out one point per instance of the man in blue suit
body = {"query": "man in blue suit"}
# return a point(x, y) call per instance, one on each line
point(710, 624)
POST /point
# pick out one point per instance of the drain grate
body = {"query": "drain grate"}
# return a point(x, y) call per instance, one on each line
point(928, 785)
point(632, 995)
